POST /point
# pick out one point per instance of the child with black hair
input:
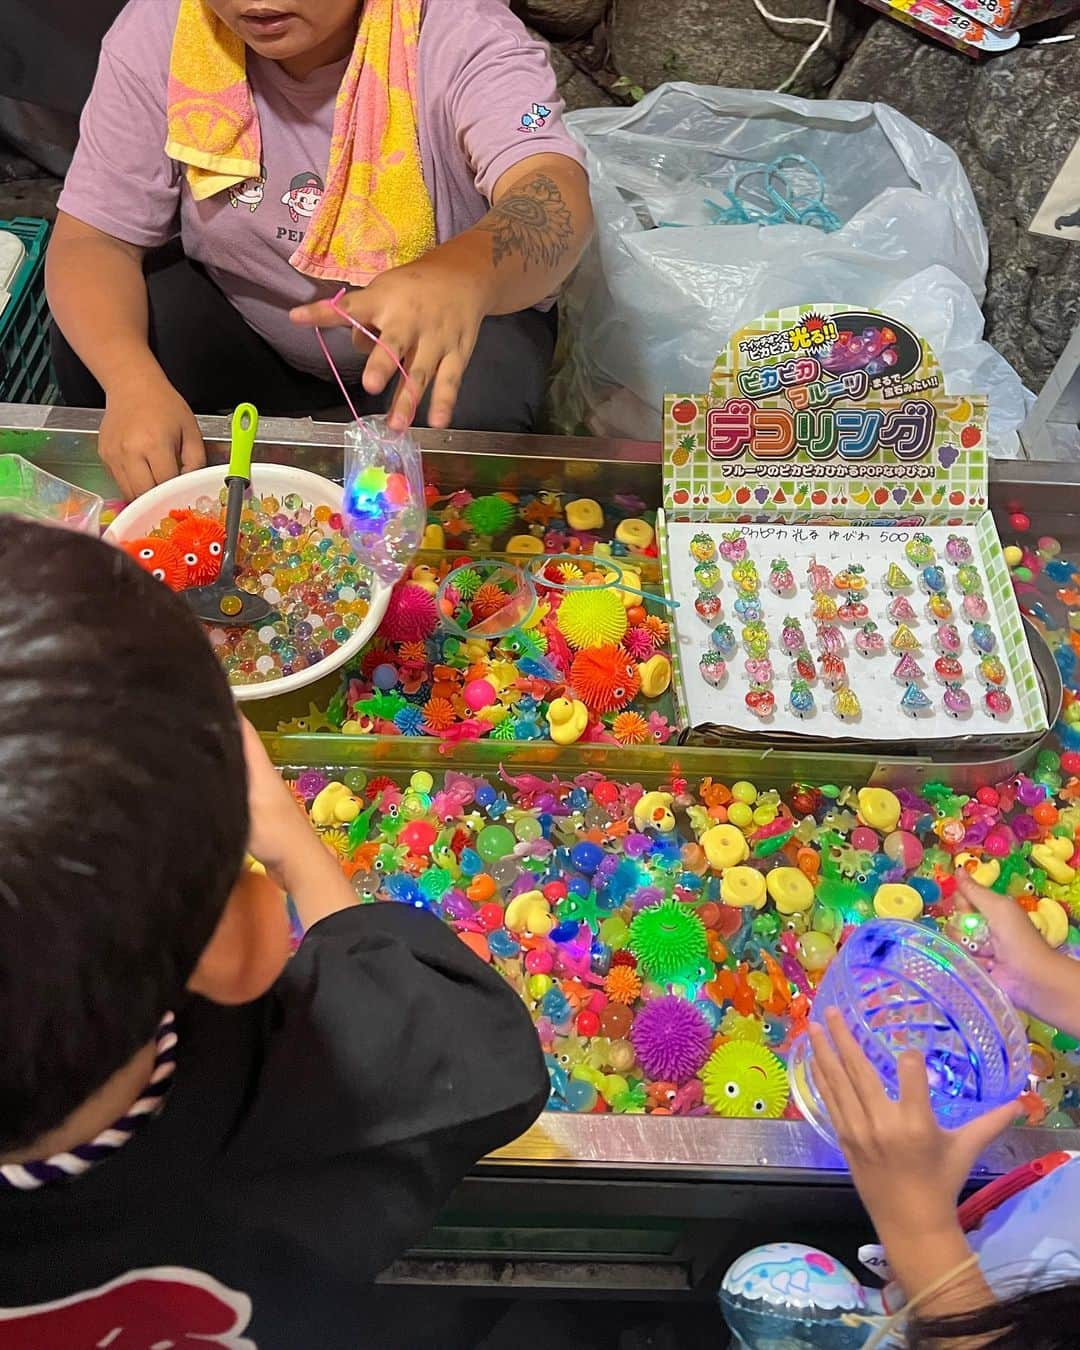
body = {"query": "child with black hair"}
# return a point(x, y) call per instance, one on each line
point(1014, 1282)
point(202, 1142)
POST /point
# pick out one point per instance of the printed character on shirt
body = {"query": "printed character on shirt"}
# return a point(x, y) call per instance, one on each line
point(249, 193)
point(304, 195)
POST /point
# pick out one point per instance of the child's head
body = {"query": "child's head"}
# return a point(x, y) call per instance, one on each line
point(283, 30)
point(123, 824)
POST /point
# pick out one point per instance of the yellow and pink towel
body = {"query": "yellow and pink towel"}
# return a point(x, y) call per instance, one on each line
point(376, 212)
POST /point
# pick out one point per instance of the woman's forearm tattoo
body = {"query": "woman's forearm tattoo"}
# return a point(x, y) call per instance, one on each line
point(532, 223)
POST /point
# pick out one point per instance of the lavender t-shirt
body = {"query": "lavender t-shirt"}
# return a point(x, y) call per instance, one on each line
point(487, 99)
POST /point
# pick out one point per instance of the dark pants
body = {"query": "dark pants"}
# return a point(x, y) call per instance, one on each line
point(215, 361)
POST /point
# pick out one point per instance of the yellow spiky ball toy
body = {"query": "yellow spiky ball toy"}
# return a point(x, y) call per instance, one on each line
point(742, 1079)
point(591, 617)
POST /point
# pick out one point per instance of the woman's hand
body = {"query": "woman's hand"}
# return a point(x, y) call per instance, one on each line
point(907, 1169)
point(428, 314)
point(1016, 957)
point(148, 433)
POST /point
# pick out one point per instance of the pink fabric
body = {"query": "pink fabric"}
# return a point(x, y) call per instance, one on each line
point(482, 82)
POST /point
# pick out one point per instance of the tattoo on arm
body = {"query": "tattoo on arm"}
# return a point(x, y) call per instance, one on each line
point(532, 223)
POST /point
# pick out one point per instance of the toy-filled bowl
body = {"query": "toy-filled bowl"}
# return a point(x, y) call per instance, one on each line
point(145, 515)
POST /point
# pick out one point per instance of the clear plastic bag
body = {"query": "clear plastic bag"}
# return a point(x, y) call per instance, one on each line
point(651, 305)
point(383, 506)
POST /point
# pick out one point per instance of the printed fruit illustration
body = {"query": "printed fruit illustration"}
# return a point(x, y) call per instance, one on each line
point(819, 497)
point(680, 496)
point(684, 411)
point(956, 498)
point(684, 451)
point(881, 496)
point(723, 494)
point(742, 495)
point(961, 411)
point(970, 436)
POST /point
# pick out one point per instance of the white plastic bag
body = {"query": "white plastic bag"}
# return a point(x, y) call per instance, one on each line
point(650, 307)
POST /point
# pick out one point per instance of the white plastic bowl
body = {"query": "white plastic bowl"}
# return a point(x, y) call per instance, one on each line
point(147, 511)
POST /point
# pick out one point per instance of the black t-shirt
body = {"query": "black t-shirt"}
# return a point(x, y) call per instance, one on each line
point(307, 1140)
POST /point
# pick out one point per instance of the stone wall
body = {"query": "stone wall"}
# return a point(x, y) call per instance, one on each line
point(1012, 120)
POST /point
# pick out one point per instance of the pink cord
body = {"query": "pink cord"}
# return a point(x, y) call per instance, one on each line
point(373, 337)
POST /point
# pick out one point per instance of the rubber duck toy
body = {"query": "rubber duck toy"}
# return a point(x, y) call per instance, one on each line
point(652, 810)
point(568, 719)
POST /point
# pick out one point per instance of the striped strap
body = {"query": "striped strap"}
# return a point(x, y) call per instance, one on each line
point(62, 1166)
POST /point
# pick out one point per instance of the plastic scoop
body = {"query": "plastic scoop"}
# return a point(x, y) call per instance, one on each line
point(223, 601)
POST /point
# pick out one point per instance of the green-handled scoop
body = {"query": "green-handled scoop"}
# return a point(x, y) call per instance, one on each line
point(223, 601)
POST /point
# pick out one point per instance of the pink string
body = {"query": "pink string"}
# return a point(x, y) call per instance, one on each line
point(373, 337)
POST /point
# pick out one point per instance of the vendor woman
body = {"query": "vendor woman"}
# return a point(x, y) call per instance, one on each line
point(412, 150)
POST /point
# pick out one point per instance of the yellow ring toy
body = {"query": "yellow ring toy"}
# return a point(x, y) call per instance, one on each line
point(894, 900)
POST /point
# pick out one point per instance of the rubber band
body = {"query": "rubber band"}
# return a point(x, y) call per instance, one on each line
point(372, 337)
point(541, 560)
point(893, 1323)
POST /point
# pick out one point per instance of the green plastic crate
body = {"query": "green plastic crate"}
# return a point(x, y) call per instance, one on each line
point(25, 366)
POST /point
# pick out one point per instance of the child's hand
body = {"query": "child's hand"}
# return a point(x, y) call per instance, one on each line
point(280, 835)
point(148, 434)
point(283, 840)
point(429, 314)
point(907, 1169)
point(1017, 958)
